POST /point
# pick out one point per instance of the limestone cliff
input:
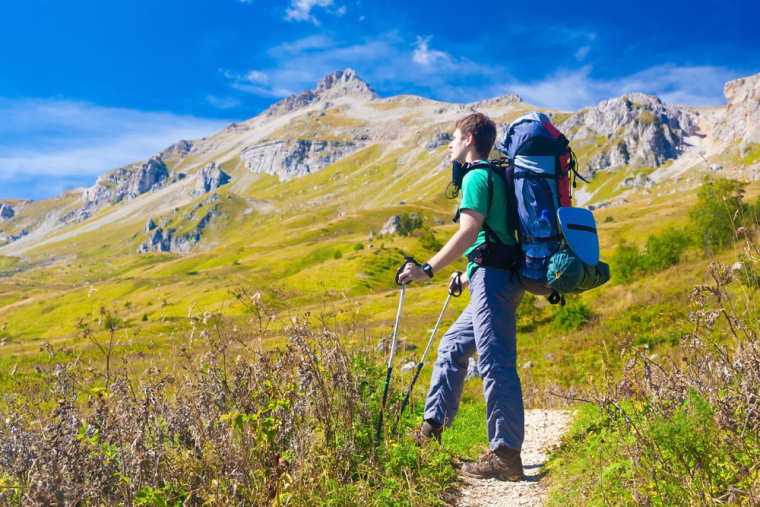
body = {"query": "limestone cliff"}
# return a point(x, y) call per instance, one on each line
point(635, 129)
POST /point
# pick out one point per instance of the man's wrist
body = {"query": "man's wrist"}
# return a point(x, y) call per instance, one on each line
point(428, 269)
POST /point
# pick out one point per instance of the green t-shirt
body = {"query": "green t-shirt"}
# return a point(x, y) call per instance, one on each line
point(475, 197)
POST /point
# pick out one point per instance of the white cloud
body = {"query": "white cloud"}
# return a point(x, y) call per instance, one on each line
point(256, 76)
point(573, 89)
point(427, 57)
point(68, 139)
point(222, 102)
point(393, 64)
point(300, 10)
point(387, 60)
point(309, 43)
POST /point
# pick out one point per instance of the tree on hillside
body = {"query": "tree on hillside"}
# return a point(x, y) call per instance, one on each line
point(719, 211)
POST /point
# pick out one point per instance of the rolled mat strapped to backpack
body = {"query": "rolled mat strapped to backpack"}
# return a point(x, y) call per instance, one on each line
point(576, 267)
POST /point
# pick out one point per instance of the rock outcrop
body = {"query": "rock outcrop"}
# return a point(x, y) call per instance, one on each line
point(439, 139)
point(638, 130)
point(163, 240)
point(334, 85)
point(292, 158)
point(6, 211)
point(176, 239)
point(210, 178)
point(127, 183)
point(392, 225)
point(742, 118)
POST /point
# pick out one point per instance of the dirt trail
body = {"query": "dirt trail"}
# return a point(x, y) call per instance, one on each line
point(543, 429)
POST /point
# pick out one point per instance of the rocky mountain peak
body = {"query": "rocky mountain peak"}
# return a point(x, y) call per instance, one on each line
point(339, 83)
point(343, 82)
point(635, 129)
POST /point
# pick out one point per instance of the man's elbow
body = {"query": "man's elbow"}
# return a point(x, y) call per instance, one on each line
point(469, 235)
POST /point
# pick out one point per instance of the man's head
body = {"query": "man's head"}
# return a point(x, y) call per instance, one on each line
point(473, 138)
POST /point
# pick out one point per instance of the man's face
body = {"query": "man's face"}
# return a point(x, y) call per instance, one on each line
point(459, 145)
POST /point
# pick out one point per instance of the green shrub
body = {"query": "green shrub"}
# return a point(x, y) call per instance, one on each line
point(674, 432)
point(358, 246)
point(571, 316)
point(754, 214)
point(626, 263)
point(665, 249)
point(337, 254)
point(409, 223)
point(719, 212)
point(749, 273)
point(289, 426)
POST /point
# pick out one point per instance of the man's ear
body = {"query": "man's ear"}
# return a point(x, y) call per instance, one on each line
point(470, 140)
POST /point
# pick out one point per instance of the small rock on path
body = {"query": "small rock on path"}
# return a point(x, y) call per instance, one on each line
point(543, 430)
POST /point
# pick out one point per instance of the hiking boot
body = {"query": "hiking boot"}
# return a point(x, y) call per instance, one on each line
point(427, 431)
point(503, 464)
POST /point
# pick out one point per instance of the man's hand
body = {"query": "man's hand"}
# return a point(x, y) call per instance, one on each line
point(457, 282)
point(411, 272)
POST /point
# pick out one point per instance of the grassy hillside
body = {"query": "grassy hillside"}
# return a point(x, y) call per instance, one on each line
point(275, 251)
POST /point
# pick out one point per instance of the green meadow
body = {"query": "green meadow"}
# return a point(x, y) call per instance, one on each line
point(282, 250)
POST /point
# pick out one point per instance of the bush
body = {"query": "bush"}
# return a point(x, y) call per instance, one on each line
point(719, 212)
point(749, 273)
point(665, 249)
point(683, 432)
point(571, 316)
point(626, 263)
point(358, 246)
point(228, 423)
point(409, 222)
point(338, 254)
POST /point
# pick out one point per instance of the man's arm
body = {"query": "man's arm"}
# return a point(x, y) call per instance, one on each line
point(470, 222)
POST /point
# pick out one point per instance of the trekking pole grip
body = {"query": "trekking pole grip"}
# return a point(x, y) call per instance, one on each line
point(456, 286)
point(407, 260)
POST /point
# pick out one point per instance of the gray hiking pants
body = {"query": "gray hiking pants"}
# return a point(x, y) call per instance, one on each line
point(487, 326)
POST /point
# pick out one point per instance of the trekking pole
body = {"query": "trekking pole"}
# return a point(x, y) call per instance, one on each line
point(407, 260)
point(456, 291)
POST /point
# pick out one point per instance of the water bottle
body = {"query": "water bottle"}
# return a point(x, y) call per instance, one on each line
point(538, 252)
point(544, 230)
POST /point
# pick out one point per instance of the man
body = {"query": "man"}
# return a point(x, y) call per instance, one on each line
point(487, 325)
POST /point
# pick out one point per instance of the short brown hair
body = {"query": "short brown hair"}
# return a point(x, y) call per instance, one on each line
point(483, 131)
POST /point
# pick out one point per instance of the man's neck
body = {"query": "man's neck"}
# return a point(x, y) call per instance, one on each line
point(473, 157)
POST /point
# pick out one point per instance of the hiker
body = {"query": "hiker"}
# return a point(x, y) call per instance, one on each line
point(487, 325)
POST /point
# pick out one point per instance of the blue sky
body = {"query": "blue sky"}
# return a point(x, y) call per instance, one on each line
point(87, 86)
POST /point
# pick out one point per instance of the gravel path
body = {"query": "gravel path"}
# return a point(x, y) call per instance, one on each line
point(543, 429)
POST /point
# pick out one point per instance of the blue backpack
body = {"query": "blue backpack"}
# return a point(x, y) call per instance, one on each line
point(560, 247)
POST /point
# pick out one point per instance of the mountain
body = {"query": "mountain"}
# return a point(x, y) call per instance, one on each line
point(629, 143)
point(299, 204)
point(394, 150)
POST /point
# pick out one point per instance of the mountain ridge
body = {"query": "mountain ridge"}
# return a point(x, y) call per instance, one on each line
point(634, 142)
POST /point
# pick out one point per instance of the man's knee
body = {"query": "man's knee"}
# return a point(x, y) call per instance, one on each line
point(451, 352)
point(497, 365)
